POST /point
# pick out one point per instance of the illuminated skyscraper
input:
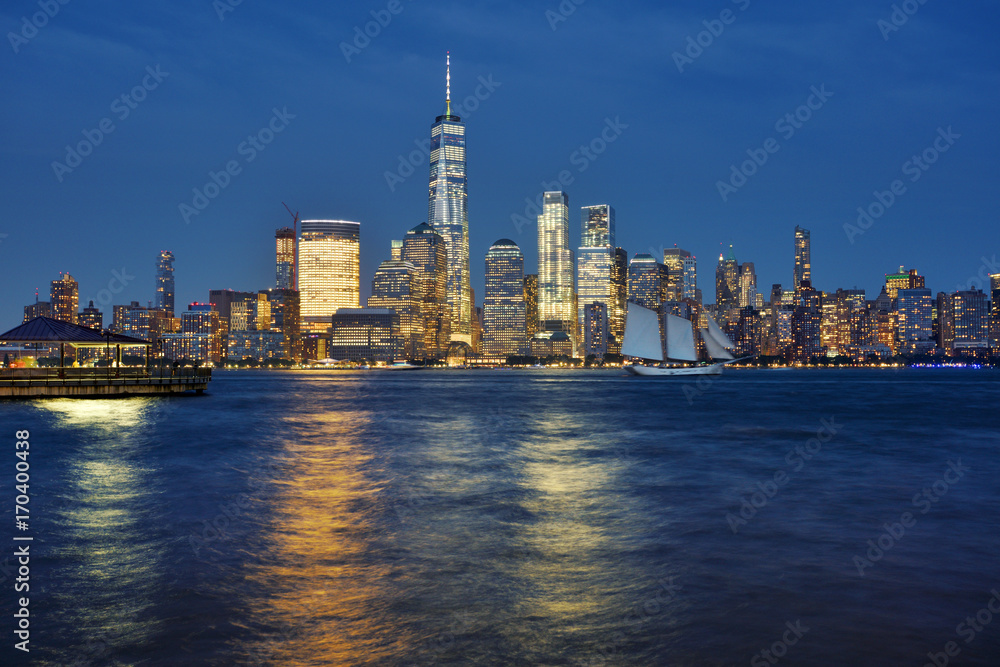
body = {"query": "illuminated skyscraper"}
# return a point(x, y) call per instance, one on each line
point(595, 330)
point(556, 310)
point(683, 276)
point(37, 309)
point(91, 317)
point(503, 303)
point(397, 285)
point(425, 249)
point(594, 259)
point(530, 305)
point(165, 283)
point(619, 297)
point(748, 285)
point(647, 281)
point(803, 258)
point(329, 270)
point(902, 280)
point(65, 298)
point(995, 313)
point(727, 283)
point(913, 324)
point(284, 252)
point(448, 212)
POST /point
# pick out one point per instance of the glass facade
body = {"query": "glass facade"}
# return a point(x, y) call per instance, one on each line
point(503, 304)
point(647, 282)
point(683, 274)
point(902, 280)
point(284, 254)
point(448, 213)
point(914, 321)
point(596, 331)
point(530, 305)
point(597, 227)
point(619, 297)
point(365, 335)
point(329, 270)
point(556, 311)
point(397, 285)
point(727, 283)
point(91, 317)
point(595, 261)
point(425, 249)
point(165, 283)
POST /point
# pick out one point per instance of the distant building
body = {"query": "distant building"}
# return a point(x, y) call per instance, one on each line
point(37, 309)
point(396, 250)
point(199, 338)
point(964, 323)
point(682, 269)
point(914, 319)
point(65, 298)
point(530, 305)
point(619, 297)
point(284, 254)
point(165, 283)
point(397, 286)
point(596, 330)
point(503, 304)
point(647, 281)
point(365, 335)
point(425, 249)
point(727, 284)
point(92, 317)
point(902, 280)
point(803, 259)
point(329, 270)
point(556, 289)
point(285, 320)
point(995, 313)
point(748, 285)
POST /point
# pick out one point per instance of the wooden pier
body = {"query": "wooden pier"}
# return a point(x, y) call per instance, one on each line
point(101, 382)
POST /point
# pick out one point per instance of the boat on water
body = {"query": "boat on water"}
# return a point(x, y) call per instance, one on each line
point(401, 366)
point(680, 358)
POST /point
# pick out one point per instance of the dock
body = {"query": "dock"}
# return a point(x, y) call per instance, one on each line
point(101, 382)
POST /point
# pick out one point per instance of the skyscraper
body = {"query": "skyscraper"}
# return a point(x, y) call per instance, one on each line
point(530, 305)
point(397, 285)
point(748, 285)
point(448, 212)
point(503, 303)
point(683, 276)
point(165, 283)
point(595, 258)
point(913, 328)
point(727, 283)
point(902, 280)
point(284, 253)
point(329, 270)
point(619, 297)
point(91, 317)
point(556, 311)
point(425, 249)
point(803, 258)
point(647, 281)
point(995, 313)
point(65, 298)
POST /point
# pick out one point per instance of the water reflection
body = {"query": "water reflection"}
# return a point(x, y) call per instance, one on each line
point(106, 517)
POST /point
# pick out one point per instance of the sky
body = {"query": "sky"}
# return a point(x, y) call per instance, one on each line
point(116, 116)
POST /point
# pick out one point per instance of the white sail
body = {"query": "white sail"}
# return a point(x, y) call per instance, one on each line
point(715, 350)
point(718, 335)
point(680, 339)
point(642, 333)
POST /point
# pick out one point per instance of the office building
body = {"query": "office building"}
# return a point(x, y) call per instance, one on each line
point(619, 297)
point(914, 321)
point(65, 298)
point(37, 309)
point(803, 259)
point(530, 305)
point(556, 308)
point(284, 254)
point(682, 269)
point(504, 324)
point(902, 280)
point(397, 286)
point(329, 270)
point(165, 283)
point(425, 249)
point(365, 335)
point(91, 317)
point(647, 281)
point(596, 330)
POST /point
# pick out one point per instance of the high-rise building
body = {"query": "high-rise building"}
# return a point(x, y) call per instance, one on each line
point(727, 283)
point(199, 338)
point(596, 331)
point(365, 334)
point(597, 227)
point(683, 274)
point(285, 320)
point(902, 280)
point(65, 298)
point(396, 250)
point(748, 285)
point(425, 249)
point(91, 317)
point(556, 311)
point(503, 303)
point(37, 309)
point(619, 297)
point(448, 212)
point(530, 305)
point(165, 283)
point(647, 281)
point(914, 319)
point(284, 255)
point(970, 322)
point(397, 285)
point(329, 270)
point(995, 313)
point(803, 258)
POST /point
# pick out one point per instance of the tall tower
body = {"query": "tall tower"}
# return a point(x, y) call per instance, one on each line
point(329, 264)
point(803, 258)
point(503, 303)
point(556, 311)
point(165, 282)
point(683, 267)
point(448, 212)
point(425, 249)
point(595, 259)
point(284, 253)
point(65, 298)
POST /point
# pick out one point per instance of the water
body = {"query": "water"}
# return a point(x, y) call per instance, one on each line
point(514, 518)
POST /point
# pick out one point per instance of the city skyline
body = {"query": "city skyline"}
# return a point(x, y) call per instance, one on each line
point(659, 171)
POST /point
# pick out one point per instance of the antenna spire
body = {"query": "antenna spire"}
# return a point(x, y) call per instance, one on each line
point(448, 98)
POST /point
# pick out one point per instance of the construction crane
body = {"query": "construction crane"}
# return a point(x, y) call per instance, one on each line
point(295, 231)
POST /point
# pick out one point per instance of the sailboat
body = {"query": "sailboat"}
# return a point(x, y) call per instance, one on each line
point(642, 339)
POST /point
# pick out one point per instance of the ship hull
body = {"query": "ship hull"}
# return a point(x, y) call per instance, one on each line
point(660, 371)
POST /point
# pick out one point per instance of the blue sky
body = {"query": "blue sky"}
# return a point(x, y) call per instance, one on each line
point(552, 91)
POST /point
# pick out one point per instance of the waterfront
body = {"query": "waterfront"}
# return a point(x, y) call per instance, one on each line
point(515, 517)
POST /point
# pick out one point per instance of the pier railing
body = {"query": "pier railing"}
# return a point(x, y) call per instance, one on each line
point(27, 377)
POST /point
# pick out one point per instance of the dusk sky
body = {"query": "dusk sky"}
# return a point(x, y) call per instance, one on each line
point(556, 81)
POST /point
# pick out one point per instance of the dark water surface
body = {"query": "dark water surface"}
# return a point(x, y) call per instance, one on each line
point(515, 518)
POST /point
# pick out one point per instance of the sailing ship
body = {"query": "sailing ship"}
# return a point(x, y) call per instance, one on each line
point(642, 339)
